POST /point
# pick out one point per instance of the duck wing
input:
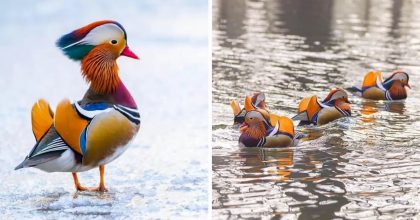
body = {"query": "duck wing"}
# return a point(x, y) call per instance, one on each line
point(373, 79)
point(49, 147)
point(308, 107)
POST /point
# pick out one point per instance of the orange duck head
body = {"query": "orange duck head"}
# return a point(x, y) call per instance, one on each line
point(97, 46)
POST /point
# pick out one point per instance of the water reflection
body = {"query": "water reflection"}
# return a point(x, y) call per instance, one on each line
point(277, 163)
point(362, 166)
point(395, 107)
point(368, 109)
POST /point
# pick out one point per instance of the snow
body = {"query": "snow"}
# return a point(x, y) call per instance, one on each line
point(164, 172)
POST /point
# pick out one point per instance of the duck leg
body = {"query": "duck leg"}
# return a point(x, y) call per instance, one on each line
point(100, 188)
point(77, 183)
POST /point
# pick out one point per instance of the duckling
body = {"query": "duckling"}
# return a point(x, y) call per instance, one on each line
point(334, 106)
point(392, 88)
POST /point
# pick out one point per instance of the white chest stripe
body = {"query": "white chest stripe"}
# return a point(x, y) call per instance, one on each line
point(388, 95)
point(379, 84)
point(274, 131)
point(323, 105)
point(128, 113)
point(132, 114)
point(90, 114)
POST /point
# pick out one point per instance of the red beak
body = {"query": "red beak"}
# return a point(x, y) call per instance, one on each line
point(347, 100)
point(243, 127)
point(408, 85)
point(128, 53)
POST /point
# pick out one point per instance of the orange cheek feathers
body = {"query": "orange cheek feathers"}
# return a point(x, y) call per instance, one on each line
point(100, 69)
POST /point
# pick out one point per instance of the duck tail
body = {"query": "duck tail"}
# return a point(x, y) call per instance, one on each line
point(303, 116)
point(23, 164)
point(355, 89)
point(297, 138)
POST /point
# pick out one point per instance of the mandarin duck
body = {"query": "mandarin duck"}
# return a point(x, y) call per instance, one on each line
point(263, 129)
point(257, 100)
point(392, 88)
point(313, 111)
point(94, 131)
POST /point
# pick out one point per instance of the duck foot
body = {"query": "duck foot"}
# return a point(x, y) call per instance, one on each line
point(100, 188)
point(92, 189)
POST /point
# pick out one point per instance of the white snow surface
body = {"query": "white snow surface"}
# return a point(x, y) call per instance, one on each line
point(163, 174)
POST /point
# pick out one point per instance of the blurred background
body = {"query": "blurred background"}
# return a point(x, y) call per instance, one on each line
point(362, 167)
point(165, 169)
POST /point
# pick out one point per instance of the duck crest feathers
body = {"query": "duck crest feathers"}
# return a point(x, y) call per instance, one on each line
point(73, 45)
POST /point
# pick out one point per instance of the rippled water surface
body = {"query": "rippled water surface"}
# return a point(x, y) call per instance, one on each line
point(364, 166)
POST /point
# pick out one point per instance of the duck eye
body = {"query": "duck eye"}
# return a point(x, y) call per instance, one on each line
point(114, 42)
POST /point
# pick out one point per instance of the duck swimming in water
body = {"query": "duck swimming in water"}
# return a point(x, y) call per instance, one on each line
point(313, 111)
point(263, 129)
point(96, 130)
point(392, 88)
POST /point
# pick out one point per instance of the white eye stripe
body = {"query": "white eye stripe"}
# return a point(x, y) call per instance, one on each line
point(254, 114)
point(322, 104)
point(400, 76)
point(338, 94)
point(379, 83)
point(102, 33)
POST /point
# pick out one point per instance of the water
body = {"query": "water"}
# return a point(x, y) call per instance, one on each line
point(166, 166)
point(365, 166)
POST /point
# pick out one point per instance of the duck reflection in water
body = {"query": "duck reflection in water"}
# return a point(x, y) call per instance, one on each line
point(370, 107)
point(278, 162)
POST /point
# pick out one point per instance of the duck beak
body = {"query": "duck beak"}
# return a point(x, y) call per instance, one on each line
point(243, 127)
point(128, 53)
point(347, 100)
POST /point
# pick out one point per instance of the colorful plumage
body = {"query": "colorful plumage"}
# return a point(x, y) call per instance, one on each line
point(392, 88)
point(95, 130)
point(260, 128)
point(334, 106)
point(257, 100)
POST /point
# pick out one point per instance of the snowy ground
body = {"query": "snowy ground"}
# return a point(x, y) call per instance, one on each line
point(164, 173)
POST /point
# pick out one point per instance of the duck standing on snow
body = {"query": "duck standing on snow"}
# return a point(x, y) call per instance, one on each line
point(392, 88)
point(334, 106)
point(95, 130)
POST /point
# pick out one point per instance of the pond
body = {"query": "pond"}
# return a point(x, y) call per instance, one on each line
point(363, 166)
